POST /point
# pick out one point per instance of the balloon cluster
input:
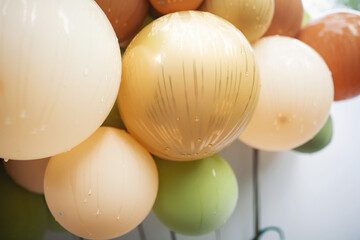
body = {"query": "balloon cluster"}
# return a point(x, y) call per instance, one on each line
point(188, 85)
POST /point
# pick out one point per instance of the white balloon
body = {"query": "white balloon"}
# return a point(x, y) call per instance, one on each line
point(60, 69)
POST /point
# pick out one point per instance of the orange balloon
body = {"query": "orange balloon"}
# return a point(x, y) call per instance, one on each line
point(126, 16)
point(287, 18)
point(336, 37)
point(170, 6)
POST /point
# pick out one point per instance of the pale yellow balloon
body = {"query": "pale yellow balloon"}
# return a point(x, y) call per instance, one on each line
point(60, 70)
point(252, 17)
point(189, 85)
point(102, 188)
point(28, 174)
point(295, 98)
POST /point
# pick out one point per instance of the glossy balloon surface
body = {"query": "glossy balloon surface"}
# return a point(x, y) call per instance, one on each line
point(336, 37)
point(28, 174)
point(126, 16)
point(320, 141)
point(189, 85)
point(60, 70)
point(253, 18)
point(170, 6)
point(195, 197)
point(287, 18)
point(102, 188)
point(295, 98)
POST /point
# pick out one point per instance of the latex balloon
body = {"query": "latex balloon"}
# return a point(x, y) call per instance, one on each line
point(170, 6)
point(287, 19)
point(59, 75)
point(253, 18)
point(295, 97)
point(306, 19)
point(22, 213)
point(126, 16)
point(320, 141)
point(327, 36)
point(189, 85)
point(195, 197)
point(28, 174)
point(114, 119)
point(102, 188)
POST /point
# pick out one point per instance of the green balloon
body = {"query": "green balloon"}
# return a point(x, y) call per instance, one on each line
point(23, 215)
point(114, 119)
point(306, 19)
point(320, 141)
point(354, 4)
point(195, 197)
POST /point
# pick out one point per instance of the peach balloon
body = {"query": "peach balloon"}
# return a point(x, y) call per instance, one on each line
point(170, 6)
point(126, 16)
point(28, 174)
point(252, 18)
point(189, 85)
point(336, 37)
point(60, 70)
point(295, 97)
point(287, 18)
point(104, 187)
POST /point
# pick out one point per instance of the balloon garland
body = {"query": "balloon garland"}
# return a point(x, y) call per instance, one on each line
point(191, 84)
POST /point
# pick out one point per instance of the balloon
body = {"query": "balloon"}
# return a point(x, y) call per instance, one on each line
point(195, 197)
point(126, 16)
point(114, 119)
point(28, 174)
point(295, 98)
point(320, 141)
point(306, 19)
point(334, 34)
point(253, 18)
point(60, 70)
point(170, 6)
point(22, 213)
point(287, 19)
point(102, 188)
point(189, 85)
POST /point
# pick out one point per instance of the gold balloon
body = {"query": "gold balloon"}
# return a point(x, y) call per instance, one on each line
point(189, 85)
point(102, 188)
point(295, 98)
point(28, 174)
point(253, 17)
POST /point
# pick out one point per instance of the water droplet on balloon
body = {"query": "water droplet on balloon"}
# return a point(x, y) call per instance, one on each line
point(86, 71)
point(109, 9)
point(61, 214)
point(22, 114)
point(90, 192)
point(6, 159)
point(43, 128)
point(8, 121)
point(98, 212)
point(246, 73)
point(85, 201)
point(103, 99)
point(199, 140)
point(197, 119)
point(34, 131)
point(178, 119)
point(167, 149)
point(118, 218)
point(210, 145)
point(214, 173)
point(116, 21)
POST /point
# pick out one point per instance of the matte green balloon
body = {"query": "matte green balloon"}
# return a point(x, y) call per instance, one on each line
point(23, 215)
point(114, 119)
point(196, 197)
point(320, 141)
point(306, 19)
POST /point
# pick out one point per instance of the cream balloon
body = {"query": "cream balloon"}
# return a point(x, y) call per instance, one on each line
point(189, 85)
point(60, 70)
point(295, 98)
point(102, 188)
point(253, 18)
point(28, 174)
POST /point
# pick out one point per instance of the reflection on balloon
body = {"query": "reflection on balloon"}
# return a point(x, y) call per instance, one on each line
point(334, 34)
point(170, 6)
point(295, 97)
point(320, 141)
point(253, 18)
point(28, 174)
point(189, 85)
point(126, 16)
point(102, 188)
point(195, 197)
point(287, 18)
point(60, 72)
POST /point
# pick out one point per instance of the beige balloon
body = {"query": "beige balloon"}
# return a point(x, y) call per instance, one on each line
point(60, 70)
point(189, 85)
point(104, 187)
point(28, 174)
point(252, 17)
point(295, 98)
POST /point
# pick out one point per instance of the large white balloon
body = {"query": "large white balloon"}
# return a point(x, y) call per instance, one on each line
point(295, 98)
point(60, 69)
